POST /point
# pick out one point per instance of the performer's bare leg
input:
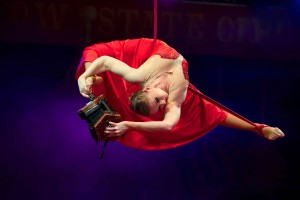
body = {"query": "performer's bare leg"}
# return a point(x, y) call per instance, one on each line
point(270, 133)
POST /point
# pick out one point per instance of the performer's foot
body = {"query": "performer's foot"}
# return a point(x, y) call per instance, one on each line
point(270, 133)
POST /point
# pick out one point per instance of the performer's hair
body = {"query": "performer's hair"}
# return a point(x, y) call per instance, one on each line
point(139, 103)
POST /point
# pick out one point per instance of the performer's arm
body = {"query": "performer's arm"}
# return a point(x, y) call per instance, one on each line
point(92, 80)
point(111, 49)
point(107, 63)
point(171, 118)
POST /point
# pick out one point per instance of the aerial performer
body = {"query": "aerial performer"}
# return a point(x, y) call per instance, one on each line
point(147, 82)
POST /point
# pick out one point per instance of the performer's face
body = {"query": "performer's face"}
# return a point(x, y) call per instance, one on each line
point(157, 99)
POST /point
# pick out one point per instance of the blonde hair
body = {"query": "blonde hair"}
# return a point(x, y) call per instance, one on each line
point(139, 103)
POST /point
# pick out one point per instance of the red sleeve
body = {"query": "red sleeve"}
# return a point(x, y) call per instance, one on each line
point(93, 52)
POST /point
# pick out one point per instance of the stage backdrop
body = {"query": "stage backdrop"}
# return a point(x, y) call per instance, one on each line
point(210, 29)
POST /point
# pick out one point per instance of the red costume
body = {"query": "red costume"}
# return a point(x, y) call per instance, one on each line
point(198, 116)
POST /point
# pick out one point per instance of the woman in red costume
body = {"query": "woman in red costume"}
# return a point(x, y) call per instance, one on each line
point(146, 81)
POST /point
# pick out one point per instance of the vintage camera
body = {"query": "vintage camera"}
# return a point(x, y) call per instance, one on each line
point(98, 114)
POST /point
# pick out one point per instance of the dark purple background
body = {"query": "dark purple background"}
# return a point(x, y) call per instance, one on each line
point(47, 152)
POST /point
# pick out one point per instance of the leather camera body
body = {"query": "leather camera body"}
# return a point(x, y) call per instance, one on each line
point(98, 114)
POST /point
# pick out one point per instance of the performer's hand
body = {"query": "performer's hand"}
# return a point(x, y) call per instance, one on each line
point(90, 81)
point(85, 86)
point(116, 129)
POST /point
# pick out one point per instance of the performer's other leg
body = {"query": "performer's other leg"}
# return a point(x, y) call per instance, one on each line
point(271, 133)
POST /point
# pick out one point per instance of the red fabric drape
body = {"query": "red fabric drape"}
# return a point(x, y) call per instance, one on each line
point(198, 116)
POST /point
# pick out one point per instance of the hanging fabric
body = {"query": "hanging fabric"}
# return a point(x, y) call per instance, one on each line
point(155, 20)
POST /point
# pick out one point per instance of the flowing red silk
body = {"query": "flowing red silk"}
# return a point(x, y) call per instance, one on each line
point(198, 115)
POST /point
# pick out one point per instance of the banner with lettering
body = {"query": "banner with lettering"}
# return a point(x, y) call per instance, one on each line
point(190, 27)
